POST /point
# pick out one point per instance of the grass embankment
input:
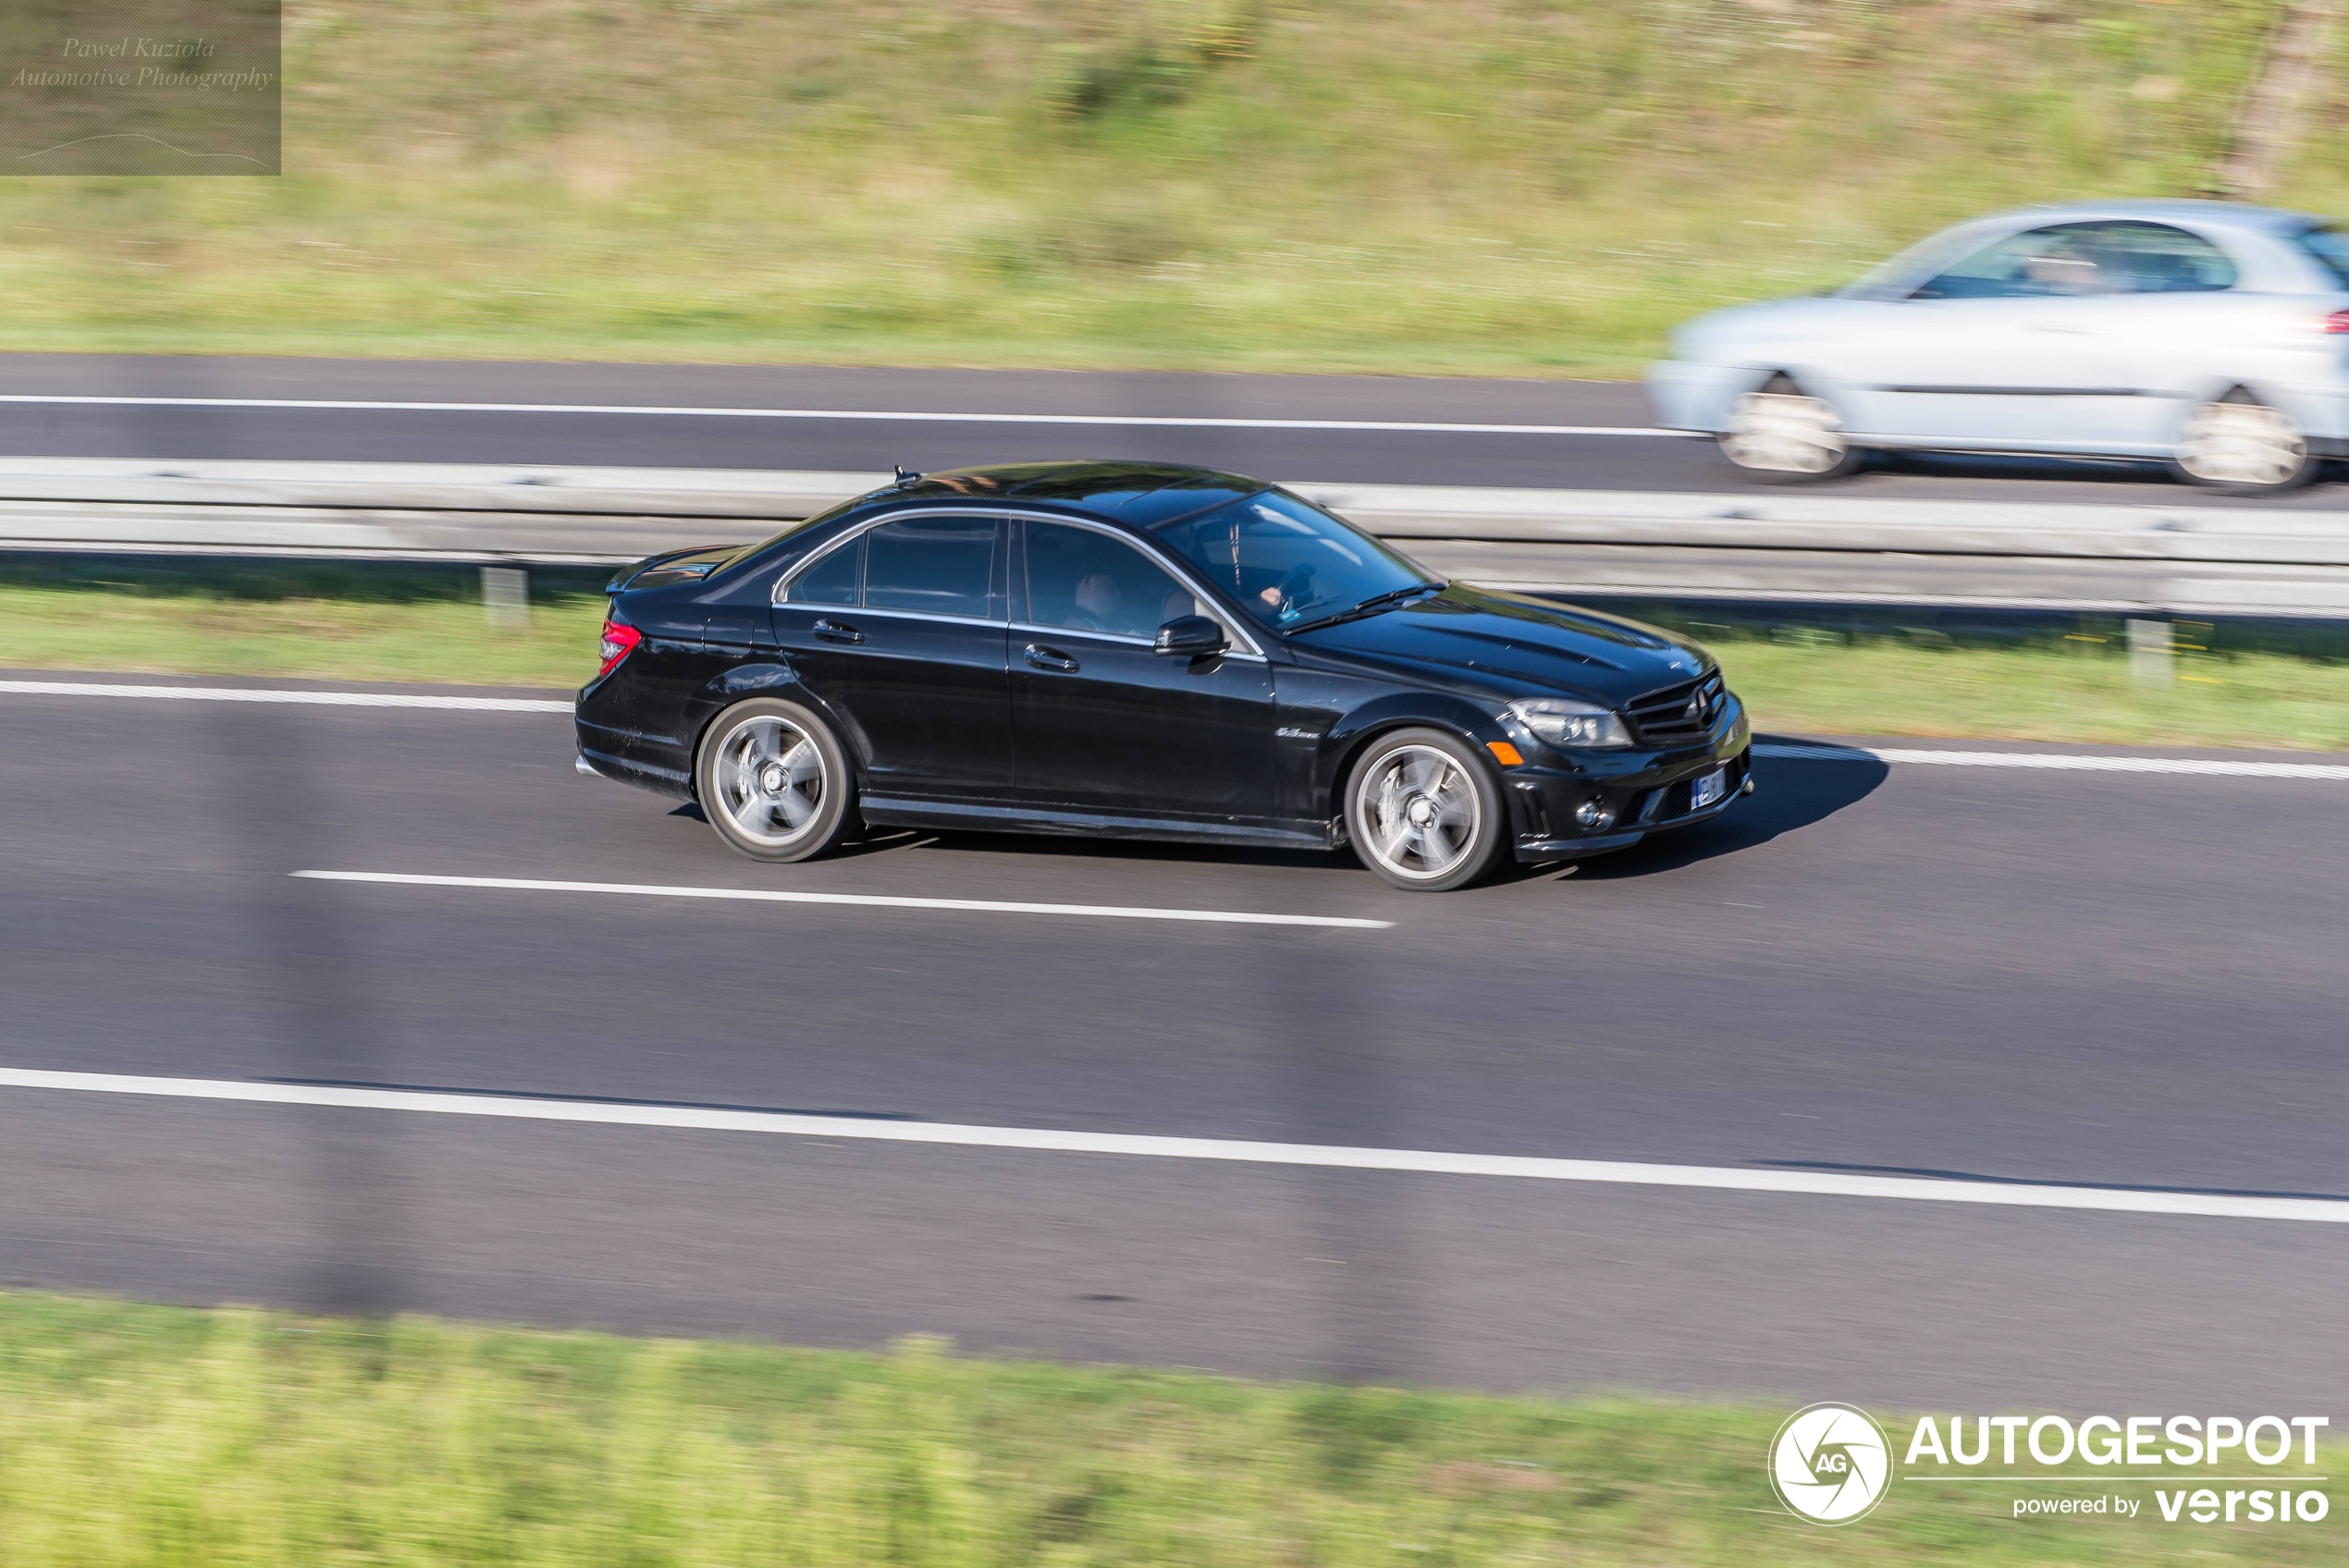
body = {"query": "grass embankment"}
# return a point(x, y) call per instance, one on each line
point(134, 1436)
point(1486, 186)
point(430, 628)
point(2040, 693)
point(441, 638)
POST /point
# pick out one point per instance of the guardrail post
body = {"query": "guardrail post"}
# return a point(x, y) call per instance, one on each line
point(505, 595)
point(2151, 655)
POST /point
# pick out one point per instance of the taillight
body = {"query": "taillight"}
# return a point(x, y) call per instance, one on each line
point(2338, 321)
point(619, 639)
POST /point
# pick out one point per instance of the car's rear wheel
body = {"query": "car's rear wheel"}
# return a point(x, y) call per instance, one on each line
point(1782, 434)
point(2239, 444)
point(773, 782)
point(1424, 811)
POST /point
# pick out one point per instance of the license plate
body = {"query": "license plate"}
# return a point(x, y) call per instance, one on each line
point(1709, 789)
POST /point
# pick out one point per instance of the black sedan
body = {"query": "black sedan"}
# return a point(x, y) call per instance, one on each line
point(1144, 651)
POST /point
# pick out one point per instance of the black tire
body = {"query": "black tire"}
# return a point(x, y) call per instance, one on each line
point(773, 782)
point(2238, 445)
point(1425, 812)
point(1809, 449)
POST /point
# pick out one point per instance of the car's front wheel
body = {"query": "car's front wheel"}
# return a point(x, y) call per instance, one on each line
point(1424, 811)
point(2239, 444)
point(773, 782)
point(1783, 434)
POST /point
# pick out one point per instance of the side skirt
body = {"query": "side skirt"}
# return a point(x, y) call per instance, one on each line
point(897, 811)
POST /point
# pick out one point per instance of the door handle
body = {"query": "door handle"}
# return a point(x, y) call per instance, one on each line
point(1041, 658)
point(835, 631)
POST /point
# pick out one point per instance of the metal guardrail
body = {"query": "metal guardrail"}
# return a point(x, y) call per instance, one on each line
point(1807, 547)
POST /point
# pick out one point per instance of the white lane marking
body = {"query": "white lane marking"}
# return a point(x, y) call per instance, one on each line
point(870, 900)
point(2059, 761)
point(1047, 1140)
point(1762, 749)
point(309, 699)
point(870, 415)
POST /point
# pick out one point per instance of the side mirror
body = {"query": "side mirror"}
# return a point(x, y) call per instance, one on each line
point(1190, 636)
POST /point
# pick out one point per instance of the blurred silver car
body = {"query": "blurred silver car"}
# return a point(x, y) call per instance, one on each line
point(2210, 335)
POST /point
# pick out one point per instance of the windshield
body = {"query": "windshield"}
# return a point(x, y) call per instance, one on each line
point(2330, 248)
point(1893, 278)
point(1290, 562)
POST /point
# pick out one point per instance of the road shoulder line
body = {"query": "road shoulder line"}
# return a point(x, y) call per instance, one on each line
point(1040, 1140)
point(2059, 761)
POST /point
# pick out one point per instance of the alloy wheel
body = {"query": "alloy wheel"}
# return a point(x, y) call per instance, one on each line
point(772, 780)
point(2243, 444)
point(1786, 433)
point(1422, 811)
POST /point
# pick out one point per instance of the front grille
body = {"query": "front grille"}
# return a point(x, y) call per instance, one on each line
point(1679, 714)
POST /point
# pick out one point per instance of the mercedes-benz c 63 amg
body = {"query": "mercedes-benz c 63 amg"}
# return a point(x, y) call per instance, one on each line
point(1144, 651)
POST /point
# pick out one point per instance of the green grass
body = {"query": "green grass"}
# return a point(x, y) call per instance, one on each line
point(133, 1435)
point(1506, 187)
point(445, 639)
point(2041, 693)
point(301, 623)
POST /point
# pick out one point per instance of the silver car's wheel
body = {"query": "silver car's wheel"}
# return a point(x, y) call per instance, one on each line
point(2237, 443)
point(1423, 812)
point(772, 781)
point(1787, 435)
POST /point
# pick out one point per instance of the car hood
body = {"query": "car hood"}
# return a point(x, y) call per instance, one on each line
point(1745, 328)
point(1508, 645)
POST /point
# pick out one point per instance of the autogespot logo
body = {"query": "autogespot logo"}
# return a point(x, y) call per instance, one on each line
point(1830, 1464)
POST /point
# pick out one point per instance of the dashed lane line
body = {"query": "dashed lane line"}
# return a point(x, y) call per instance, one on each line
point(867, 901)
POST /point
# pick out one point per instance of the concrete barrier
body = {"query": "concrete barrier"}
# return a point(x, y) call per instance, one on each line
point(2186, 559)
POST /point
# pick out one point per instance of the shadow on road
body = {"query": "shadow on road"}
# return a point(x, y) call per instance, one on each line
point(1788, 794)
point(1931, 1173)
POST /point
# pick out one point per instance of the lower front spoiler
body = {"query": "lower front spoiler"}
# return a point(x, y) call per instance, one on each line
point(1645, 811)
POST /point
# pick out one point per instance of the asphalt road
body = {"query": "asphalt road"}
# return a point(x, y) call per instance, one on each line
point(2110, 979)
point(1612, 450)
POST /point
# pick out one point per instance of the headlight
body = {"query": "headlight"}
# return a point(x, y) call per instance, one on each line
point(1562, 721)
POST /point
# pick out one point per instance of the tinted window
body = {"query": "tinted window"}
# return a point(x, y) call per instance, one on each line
point(2086, 258)
point(2329, 247)
point(1088, 582)
point(836, 578)
point(1287, 561)
point(936, 565)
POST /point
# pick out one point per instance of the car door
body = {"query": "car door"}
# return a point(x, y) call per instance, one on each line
point(901, 630)
point(2010, 347)
point(1105, 724)
point(2174, 327)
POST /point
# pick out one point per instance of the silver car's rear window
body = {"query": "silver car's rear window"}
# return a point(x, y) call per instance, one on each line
point(2329, 248)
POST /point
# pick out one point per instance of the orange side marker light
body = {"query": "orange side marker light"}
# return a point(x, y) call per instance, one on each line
point(1504, 754)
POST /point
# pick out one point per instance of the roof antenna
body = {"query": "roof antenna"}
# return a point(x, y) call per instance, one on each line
point(906, 475)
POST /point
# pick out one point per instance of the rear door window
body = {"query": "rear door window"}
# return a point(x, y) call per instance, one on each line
point(933, 564)
point(836, 578)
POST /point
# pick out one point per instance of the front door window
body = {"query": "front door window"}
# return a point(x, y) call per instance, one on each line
point(1080, 581)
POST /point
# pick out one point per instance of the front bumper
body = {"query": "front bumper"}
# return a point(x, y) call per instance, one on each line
point(1694, 397)
point(1647, 792)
